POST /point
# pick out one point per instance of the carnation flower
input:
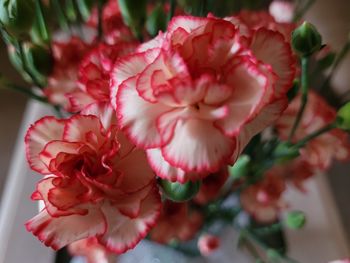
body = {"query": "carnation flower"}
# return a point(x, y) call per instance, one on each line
point(296, 171)
point(176, 222)
point(208, 244)
point(113, 27)
point(96, 184)
point(320, 151)
point(63, 80)
point(92, 251)
point(194, 96)
point(249, 21)
point(263, 200)
point(94, 76)
point(211, 186)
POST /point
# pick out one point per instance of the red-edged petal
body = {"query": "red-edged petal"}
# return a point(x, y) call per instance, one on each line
point(250, 85)
point(271, 48)
point(78, 128)
point(164, 170)
point(45, 191)
point(124, 233)
point(57, 232)
point(140, 128)
point(188, 23)
point(191, 150)
point(38, 135)
point(104, 111)
point(127, 67)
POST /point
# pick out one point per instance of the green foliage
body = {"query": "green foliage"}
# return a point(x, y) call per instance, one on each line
point(156, 21)
point(17, 15)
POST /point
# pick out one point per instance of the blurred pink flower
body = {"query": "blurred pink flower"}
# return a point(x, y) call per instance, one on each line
point(322, 150)
point(263, 200)
point(176, 222)
point(208, 244)
point(282, 11)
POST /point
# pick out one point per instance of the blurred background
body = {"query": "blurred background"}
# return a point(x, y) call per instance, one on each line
point(331, 18)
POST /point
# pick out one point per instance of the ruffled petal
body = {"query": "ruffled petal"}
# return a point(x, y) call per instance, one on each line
point(191, 150)
point(38, 135)
point(57, 232)
point(124, 233)
point(271, 48)
point(140, 128)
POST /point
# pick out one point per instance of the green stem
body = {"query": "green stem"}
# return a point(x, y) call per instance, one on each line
point(304, 95)
point(302, 10)
point(26, 69)
point(172, 9)
point(342, 54)
point(203, 11)
point(314, 135)
point(250, 247)
point(62, 19)
point(42, 21)
point(100, 18)
point(26, 91)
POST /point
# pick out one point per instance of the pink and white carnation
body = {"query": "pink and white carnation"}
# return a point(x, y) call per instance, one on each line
point(63, 80)
point(94, 76)
point(263, 201)
point(96, 184)
point(194, 96)
point(321, 151)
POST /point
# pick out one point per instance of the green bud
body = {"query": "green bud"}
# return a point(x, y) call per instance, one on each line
point(285, 152)
point(156, 21)
point(39, 58)
point(343, 117)
point(241, 167)
point(134, 14)
point(306, 40)
point(179, 192)
point(295, 220)
point(17, 15)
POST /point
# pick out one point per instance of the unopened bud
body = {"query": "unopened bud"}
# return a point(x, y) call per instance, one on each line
point(178, 192)
point(306, 40)
point(295, 220)
point(343, 117)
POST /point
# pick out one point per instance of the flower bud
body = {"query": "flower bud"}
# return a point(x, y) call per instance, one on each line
point(241, 167)
point(17, 15)
point(306, 40)
point(39, 58)
point(285, 152)
point(178, 192)
point(295, 220)
point(134, 14)
point(343, 117)
point(156, 21)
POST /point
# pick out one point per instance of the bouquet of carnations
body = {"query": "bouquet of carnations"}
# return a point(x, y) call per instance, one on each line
point(173, 120)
